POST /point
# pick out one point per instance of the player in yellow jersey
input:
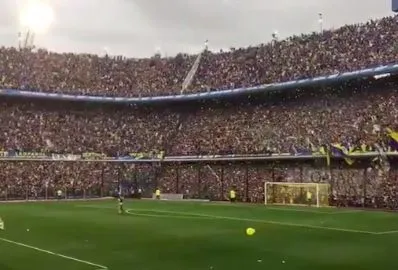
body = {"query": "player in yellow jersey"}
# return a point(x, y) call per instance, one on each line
point(157, 194)
point(232, 196)
point(309, 198)
point(1, 224)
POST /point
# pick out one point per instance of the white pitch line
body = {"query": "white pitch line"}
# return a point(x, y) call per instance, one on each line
point(173, 215)
point(297, 210)
point(265, 208)
point(100, 267)
point(339, 212)
point(387, 232)
point(314, 211)
point(94, 206)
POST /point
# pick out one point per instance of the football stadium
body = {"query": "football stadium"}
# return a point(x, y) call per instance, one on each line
point(282, 155)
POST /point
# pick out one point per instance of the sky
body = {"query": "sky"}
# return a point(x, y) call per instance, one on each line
point(140, 28)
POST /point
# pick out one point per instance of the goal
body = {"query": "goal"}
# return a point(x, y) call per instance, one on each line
point(284, 193)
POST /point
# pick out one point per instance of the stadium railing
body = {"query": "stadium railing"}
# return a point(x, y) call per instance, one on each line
point(34, 156)
point(376, 72)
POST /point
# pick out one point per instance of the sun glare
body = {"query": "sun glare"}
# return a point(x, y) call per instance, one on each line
point(37, 16)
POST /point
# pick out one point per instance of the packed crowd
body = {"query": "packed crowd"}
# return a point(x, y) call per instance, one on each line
point(293, 58)
point(359, 186)
point(295, 122)
point(78, 129)
point(39, 180)
point(353, 187)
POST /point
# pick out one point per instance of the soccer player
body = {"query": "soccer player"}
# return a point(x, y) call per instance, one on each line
point(59, 194)
point(284, 195)
point(120, 205)
point(157, 194)
point(309, 198)
point(232, 196)
point(1, 224)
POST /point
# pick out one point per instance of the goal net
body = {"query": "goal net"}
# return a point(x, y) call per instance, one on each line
point(284, 193)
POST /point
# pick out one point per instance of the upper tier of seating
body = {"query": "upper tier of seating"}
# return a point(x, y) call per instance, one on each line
point(348, 48)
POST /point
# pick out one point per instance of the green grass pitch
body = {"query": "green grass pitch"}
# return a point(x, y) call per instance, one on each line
point(182, 235)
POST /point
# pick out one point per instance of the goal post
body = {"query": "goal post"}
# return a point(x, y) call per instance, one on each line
point(285, 193)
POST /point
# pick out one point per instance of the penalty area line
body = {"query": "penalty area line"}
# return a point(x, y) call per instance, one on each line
point(173, 214)
point(98, 266)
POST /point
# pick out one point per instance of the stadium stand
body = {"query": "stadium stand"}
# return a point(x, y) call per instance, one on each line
point(296, 57)
point(299, 122)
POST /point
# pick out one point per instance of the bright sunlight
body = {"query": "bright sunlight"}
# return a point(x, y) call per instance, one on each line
point(37, 16)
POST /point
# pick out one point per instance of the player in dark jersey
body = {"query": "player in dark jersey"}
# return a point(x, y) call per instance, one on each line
point(120, 205)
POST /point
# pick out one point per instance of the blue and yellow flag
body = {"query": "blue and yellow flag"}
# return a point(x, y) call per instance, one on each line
point(339, 150)
point(393, 139)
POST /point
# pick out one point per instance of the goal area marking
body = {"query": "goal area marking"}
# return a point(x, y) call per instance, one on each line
point(98, 266)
